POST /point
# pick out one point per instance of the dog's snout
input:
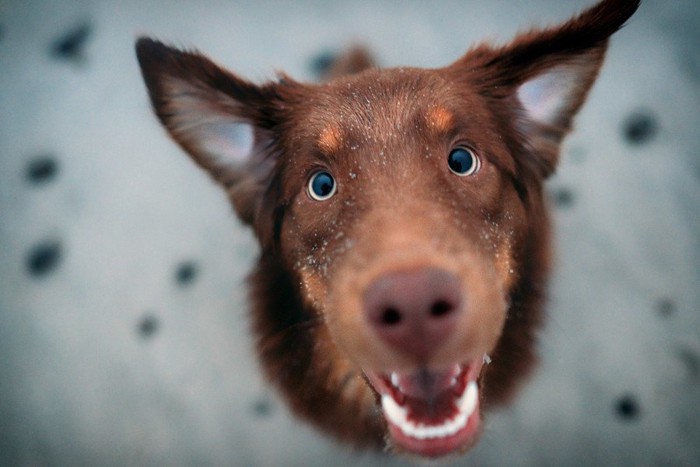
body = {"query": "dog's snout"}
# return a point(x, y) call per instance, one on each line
point(414, 311)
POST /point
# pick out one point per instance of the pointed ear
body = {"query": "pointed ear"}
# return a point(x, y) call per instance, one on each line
point(544, 76)
point(224, 122)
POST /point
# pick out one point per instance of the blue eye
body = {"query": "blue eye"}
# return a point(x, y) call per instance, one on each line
point(321, 186)
point(463, 162)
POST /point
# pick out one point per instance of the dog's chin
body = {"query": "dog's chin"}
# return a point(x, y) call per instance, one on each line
point(431, 413)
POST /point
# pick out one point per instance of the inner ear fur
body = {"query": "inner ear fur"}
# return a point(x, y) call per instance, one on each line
point(225, 123)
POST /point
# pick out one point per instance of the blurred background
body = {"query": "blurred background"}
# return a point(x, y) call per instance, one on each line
point(123, 322)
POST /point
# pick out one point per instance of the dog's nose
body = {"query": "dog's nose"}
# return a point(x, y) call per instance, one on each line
point(414, 311)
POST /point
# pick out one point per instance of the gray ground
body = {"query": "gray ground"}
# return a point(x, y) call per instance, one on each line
point(113, 353)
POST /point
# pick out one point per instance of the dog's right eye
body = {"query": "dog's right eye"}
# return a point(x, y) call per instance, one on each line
point(321, 186)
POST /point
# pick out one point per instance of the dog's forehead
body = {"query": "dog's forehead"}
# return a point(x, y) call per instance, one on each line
point(379, 106)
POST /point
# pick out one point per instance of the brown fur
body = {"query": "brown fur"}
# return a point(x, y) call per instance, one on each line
point(385, 135)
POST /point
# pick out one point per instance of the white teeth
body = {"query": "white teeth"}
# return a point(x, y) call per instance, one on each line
point(487, 359)
point(395, 379)
point(398, 416)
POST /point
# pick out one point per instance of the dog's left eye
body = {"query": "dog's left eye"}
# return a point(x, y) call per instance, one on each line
point(462, 161)
point(321, 186)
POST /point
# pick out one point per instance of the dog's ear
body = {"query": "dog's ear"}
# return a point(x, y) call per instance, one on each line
point(224, 122)
point(540, 80)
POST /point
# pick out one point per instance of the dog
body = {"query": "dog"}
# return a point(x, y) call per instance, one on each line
point(404, 235)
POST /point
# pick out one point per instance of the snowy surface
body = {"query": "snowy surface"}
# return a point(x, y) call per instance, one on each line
point(123, 331)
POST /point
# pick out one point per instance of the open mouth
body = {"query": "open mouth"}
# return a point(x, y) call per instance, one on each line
point(431, 413)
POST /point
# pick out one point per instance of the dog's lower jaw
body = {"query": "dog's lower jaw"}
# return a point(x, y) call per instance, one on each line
point(431, 413)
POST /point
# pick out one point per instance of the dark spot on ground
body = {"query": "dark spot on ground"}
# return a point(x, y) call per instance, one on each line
point(71, 44)
point(627, 407)
point(563, 197)
point(691, 361)
point(148, 326)
point(322, 62)
point(665, 306)
point(41, 170)
point(640, 127)
point(262, 408)
point(43, 258)
point(186, 273)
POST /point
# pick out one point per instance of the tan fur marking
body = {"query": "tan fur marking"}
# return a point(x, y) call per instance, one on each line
point(330, 139)
point(312, 286)
point(504, 264)
point(440, 118)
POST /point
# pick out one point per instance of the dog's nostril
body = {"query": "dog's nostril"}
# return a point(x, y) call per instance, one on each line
point(440, 308)
point(391, 316)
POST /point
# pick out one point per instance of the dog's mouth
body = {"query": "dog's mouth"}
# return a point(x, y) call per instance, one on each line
point(431, 413)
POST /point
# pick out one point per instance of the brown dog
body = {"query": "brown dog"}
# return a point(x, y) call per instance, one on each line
point(404, 237)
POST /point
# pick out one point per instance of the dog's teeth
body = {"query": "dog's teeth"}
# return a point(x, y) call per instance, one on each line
point(395, 379)
point(487, 359)
point(467, 403)
point(398, 416)
point(393, 411)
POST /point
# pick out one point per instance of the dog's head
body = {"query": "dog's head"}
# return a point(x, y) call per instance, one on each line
point(400, 218)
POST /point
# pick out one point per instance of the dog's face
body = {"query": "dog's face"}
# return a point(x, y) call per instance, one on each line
point(401, 221)
point(401, 225)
